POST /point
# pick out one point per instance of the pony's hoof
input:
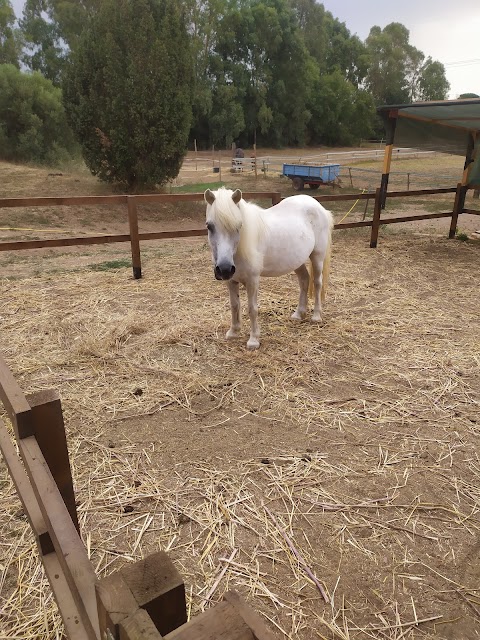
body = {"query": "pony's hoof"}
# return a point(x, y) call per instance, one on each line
point(298, 316)
point(231, 334)
point(316, 317)
point(253, 344)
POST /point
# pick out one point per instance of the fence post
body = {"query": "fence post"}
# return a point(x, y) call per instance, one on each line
point(408, 182)
point(376, 218)
point(350, 174)
point(49, 430)
point(276, 198)
point(134, 239)
point(458, 206)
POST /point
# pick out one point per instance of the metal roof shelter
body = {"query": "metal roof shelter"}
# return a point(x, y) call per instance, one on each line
point(451, 126)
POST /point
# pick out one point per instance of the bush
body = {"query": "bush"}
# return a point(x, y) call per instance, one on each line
point(127, 92)
point(33, 126)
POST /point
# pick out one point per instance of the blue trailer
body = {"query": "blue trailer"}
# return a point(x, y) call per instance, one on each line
point(302, 174)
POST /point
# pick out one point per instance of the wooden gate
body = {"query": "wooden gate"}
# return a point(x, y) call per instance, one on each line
point(144, 600)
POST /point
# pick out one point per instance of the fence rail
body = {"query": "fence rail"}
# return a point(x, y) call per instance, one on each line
point(135, 236)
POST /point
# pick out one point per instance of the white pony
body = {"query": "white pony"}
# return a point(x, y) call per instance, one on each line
point(248, 242)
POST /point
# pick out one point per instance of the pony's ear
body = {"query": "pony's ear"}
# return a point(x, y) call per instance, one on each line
point(237, 196)
point(209, 196)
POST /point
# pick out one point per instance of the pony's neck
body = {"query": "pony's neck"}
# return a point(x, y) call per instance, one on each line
point(251, 233)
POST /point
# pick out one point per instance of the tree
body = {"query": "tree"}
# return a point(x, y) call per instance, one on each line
point(398, 72)
point(10, 43)
point(44, 50)
point(33, 126)
point(127, 92)
point(463, 96)
point(341, 113)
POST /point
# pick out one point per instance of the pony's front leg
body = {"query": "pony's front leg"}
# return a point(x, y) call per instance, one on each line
point(303, 281)
point(252, 292)
point(234, 330)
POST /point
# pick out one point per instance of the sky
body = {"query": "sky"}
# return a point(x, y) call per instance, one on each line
point(447, 31)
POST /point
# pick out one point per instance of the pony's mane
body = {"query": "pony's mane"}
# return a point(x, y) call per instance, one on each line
point(245, 217)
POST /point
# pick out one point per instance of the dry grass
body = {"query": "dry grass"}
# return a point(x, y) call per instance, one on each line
point(356, 440)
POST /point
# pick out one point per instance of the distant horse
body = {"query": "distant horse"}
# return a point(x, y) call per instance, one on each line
point(248, 242)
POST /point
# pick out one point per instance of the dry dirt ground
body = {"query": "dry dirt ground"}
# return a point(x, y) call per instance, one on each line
point(357, 438)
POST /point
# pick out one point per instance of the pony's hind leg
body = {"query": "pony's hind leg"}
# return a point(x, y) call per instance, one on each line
point(317, 268)
point(234, 330)
point(303, 281)
point(252, 292)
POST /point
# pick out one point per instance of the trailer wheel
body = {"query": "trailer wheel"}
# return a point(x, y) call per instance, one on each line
point(314, 185)
point(297, 183)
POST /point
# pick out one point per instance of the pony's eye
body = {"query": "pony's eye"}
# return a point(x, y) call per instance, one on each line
point(210, 227)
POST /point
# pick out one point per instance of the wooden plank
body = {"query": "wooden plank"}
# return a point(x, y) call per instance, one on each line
point(426, 216)
point(251, 617)
point(457, 208)
point(74, 624)
point(72, 620)
point(420, 192)
point(376, 218)
point(353, 225)
point(61, 201)
point(49, 430)
point(158, 588)
point(15, 402)
point(138, 626)
point(165, 235)
point(134, 238)
point(222, 622)
point(61, 242)
point(25, 492)
point(472, 212)
point(343, 197)
point(68, 546)
point(115, 602)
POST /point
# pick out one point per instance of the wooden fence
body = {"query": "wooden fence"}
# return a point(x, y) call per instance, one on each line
point(144, 600)
point(134, 237)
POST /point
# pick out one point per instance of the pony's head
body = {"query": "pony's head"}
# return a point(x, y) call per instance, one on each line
point(224, 222)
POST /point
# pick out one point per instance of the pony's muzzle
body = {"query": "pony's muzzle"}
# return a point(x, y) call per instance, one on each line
point(224, 271)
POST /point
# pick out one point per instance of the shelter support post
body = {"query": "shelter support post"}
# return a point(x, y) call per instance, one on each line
point(462, 188)
point(134, 237)
point(458, 207)
point(376, 218)
point(387, 158)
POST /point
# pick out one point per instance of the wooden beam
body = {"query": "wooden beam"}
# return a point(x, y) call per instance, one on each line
point(138, 626)
point(69, 548)
point(25, 492)
point(115, 602)
point(251, 617)
point(221, 622)
point(457, 208)
point(49, 430)
point(377, 210)
point(15, 402)
point(134, 237)
point(158, 588)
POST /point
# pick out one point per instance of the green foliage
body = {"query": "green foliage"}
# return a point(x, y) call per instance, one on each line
point(468, 95)
point(127, 92)
point(33, 126)
point(398, 72)
point(43, 50)
point(10, 41)
point(342, 114)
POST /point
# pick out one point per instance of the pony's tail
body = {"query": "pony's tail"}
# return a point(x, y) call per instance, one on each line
point(326, 269)
point(325, 272)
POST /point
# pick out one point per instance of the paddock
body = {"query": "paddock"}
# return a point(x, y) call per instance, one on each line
point(359, 436)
